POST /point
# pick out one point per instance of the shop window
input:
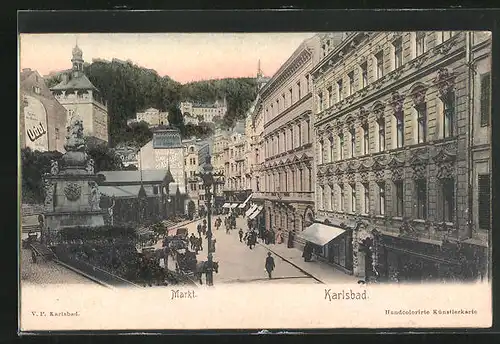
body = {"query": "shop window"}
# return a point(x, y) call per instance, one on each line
point(484, 201)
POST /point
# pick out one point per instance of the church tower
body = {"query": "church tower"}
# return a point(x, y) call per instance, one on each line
point(82, 100)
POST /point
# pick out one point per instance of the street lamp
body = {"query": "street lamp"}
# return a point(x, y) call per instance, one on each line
point(209, 179)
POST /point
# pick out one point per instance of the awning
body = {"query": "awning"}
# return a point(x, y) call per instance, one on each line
point(255, 213)
point(251, 210)
point(234, 205)
point(320, 234)
point(226, 205)
point(243, 205)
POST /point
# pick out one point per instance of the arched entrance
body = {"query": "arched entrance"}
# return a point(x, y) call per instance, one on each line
point(365, 255)
point(308, 218)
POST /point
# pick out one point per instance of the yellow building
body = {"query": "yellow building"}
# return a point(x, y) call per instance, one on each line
point(82, 100)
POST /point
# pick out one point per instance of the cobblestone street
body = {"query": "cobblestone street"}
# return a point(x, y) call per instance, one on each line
point(238, 263)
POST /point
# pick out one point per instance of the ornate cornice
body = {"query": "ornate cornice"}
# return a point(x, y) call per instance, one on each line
point(288, 69)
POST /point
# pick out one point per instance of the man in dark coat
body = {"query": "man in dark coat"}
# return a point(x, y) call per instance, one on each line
point(269, 264)
point(240, 233)
point(199, 229)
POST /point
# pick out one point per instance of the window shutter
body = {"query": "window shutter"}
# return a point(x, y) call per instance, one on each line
point(485, 99)
point(484, 201)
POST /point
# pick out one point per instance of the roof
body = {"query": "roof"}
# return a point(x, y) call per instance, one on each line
point(81, 82)
point(125, 191)
point(172, 189)
point(148, 176)
point(321, 234)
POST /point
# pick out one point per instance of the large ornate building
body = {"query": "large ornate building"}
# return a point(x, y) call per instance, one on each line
point(195, 153)
point(42, 119)
point(402, 153)
point(153, 117)
point(195, 113)
point(284, 135)
point(82, 99)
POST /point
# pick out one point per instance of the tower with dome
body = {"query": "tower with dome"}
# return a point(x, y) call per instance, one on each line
point(82, 100)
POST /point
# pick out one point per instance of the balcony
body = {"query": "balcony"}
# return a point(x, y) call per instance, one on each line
point(294, 196)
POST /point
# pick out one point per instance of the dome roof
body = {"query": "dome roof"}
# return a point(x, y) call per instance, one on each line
point(77, 52)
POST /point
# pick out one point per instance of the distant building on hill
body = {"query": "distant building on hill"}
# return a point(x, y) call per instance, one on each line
point(152, 116)
point(195, 113)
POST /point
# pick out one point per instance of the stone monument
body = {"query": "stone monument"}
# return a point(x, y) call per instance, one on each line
point(71, 192)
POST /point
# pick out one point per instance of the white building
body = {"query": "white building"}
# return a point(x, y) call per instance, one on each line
point(195, 113)
point(151, 116)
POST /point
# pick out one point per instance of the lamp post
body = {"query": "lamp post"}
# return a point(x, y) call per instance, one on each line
point(209, 179)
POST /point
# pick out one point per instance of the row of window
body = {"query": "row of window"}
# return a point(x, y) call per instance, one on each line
point(289, 181)
point(327, 99)
point(344, 198)
point(287, 139)
point(287, 99)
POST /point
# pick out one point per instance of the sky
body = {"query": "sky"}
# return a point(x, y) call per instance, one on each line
point(184, 57)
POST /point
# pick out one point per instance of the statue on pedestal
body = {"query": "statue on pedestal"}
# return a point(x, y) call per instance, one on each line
point(74, 139)
point(54, 167)
point(90, 166)
point(49, 189)
point(94, 196)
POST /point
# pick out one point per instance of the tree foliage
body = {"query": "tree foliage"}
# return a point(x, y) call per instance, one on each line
point(128, 89)
point(34, 165)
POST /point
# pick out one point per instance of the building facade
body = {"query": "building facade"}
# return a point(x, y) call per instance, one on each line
point(195, 113)
point(82, 99)
point(284, 139)
point(401, 123)
point(195, 153)
point(153, 117)
point(166, 152)
point(42, 119)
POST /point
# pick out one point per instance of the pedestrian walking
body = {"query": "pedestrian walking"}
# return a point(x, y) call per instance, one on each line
point(199, 229)
point(227, 230)
point(269, 264)
point(240, 233)
point(192, 239)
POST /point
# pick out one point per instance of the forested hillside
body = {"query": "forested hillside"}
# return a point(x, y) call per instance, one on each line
point(129, 89)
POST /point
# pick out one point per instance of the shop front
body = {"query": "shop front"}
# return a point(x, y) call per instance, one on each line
point(406, 260)
point(330, 244)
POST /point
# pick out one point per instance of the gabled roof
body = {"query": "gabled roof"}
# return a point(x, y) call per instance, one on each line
point(81, 82)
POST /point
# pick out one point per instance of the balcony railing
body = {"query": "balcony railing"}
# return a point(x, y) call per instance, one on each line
point(293, 196)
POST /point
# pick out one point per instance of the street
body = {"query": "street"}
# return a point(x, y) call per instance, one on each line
point(238, 263)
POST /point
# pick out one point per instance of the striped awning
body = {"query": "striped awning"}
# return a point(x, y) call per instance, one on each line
point(234, 205)
point(251, 210)
point(244, 204)
point(256, 212)
point(226, 205)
